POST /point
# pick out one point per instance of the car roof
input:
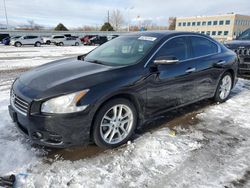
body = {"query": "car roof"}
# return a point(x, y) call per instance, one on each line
point(160, 34)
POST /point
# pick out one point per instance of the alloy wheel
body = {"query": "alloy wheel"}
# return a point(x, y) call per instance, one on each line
point(225, 87)
point(116, 124)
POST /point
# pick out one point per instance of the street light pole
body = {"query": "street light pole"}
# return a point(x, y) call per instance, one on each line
point(129, 9)
point(6, 17)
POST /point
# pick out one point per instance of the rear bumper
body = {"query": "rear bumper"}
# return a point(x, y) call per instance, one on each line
point(54, 131)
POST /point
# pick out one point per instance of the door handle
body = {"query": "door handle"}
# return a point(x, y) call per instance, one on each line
point(220, 63)
point(190, 70)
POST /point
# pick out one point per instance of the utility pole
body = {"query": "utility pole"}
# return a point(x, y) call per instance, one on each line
point(6, 17)
point(108, 16)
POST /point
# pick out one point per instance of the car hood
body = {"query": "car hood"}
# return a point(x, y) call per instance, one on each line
point(238, 43)
point(61, 75)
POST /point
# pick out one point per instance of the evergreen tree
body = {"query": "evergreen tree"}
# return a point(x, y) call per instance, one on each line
point(61, 27)
point(107, 27)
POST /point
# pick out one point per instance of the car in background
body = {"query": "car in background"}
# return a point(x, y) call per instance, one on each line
point(2, 36)
point(6, 41)
point(47, 39)
point(98, 40)
point(55, 39)
point(241, 46)
point(68, 41)
point(110, 37)
point(86, 39)
point(27, 40)
point(103, 96)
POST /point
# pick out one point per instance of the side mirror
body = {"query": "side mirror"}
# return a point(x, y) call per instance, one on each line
point(81, 57)
point(163, 60)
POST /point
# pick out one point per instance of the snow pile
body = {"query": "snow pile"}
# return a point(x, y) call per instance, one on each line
point(137, 164)
point(15, 151)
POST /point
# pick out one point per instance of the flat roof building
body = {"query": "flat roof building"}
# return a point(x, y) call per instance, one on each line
point(221, 27)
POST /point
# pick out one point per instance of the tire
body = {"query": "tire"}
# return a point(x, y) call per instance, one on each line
point(37, 44)
point(48, 42)
point(224, 88)
point(18, 44)
point(61, 44)
point(77, 44)
point(116, 130)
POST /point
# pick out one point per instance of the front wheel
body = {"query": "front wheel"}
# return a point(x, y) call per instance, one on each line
point(18, 44)
point(115, 123)
point(77, 44)
point(37, 44)
point(224, 88)
point(61, 44)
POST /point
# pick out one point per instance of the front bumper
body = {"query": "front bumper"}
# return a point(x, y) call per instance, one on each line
point(54, 130)
point(244, 66)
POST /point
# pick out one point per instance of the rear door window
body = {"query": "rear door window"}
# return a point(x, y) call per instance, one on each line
point(202, 46)
point(177, 47)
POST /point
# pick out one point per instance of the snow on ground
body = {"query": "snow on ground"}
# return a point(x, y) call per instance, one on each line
point(212, 151)
point(28, 56)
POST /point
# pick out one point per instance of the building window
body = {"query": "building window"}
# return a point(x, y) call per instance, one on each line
point(213, 33)
point(204, 23)
point(208, 33)
point(215, 23)
point(227, 22)
point(198, 23)
point(189, 23)
point(225, 33)
point(221, 22)
point(209, 23)
point(193, 23)
point(179, 24)
point(184, 24)
point(203, 32)
point(219, 33)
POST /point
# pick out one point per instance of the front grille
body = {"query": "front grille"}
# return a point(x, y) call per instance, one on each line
point(242, 51)
point(20, 104)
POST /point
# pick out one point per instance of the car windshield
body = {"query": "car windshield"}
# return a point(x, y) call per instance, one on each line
point(122, 51)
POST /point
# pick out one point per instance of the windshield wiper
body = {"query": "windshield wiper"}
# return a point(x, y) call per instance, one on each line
point(95, 61)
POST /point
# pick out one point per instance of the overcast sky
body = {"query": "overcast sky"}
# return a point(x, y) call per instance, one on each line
point(75, 13)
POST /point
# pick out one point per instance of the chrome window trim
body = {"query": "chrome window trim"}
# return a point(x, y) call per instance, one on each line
point(219, 48)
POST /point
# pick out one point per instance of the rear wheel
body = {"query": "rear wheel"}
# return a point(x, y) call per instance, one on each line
point(77, 44)
point(18, 44)
point(114, 123)
point(224, 88)
point(48, 42)
point(61, 44)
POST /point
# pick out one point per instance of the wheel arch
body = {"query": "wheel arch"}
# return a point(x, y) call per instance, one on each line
point(130, 97)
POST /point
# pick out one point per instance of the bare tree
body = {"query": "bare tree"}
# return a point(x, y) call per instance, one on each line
point(31, 24)
point(171, 23)
point(116, 19)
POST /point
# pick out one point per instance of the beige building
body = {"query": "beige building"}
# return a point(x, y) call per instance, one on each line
point(221, 27)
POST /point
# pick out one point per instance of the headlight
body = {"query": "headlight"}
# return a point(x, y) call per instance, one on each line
point(64, 104)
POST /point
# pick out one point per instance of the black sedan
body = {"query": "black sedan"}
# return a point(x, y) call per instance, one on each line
point(103, 96)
